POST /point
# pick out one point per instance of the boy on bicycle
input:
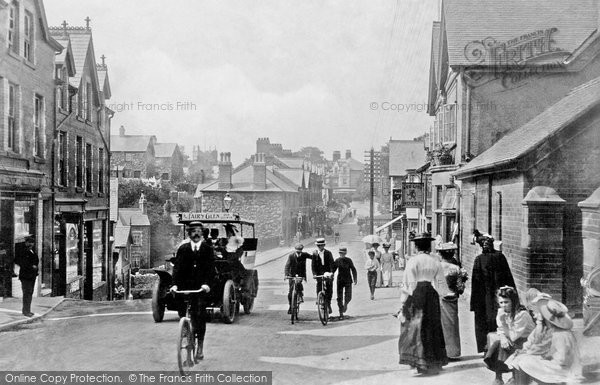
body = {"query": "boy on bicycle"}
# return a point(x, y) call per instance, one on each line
point(296, 265)
point(322, 264)
point(194, 268)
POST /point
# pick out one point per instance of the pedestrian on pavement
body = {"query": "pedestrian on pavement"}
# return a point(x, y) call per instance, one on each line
point(514, 326)
point(449, 290)
point(421, 344)
point(194, 268)
point(490, 272)
point(387, 265)
point(346, 276)
point(372, 266)
point(28, 262)
point(296, 266)
point(322, 264)
point(378, 258)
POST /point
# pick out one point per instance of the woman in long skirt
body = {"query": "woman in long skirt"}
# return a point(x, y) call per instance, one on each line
point(421, 344)
point(449, 289)
point(387, 264)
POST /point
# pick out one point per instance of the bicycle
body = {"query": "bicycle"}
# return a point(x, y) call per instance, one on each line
point(295, 304)
point(322, 305)
point(187, 344)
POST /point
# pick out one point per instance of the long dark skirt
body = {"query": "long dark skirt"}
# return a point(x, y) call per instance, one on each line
point(449, 311)
point(496, 355)
point(421, 343)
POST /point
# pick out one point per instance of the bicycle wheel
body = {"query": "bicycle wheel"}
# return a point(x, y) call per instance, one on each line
point(322, 308)
point(293, 304)
point(186, 346)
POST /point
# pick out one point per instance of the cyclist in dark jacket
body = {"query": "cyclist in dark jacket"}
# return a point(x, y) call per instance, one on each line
point(194, 268)
point(346, 275)
point(296, 265)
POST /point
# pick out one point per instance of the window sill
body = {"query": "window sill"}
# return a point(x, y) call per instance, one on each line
point(63, 189)
point(80, 119)
point(101, 195)
point(63, 111)
point(12, 54)
point(88, 194)
point(29, 64)
point(12, 154)
point(38, 159)
point(79, 189)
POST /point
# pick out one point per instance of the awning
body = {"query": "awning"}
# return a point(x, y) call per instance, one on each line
point(389, 223)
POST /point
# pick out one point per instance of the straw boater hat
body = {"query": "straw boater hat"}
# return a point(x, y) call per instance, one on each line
point(320, 241)
point(556, 313)
point(342, 250)
point(446, 246)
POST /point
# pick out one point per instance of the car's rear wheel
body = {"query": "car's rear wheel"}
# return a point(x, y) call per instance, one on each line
point(158, 305)
point(229, 302)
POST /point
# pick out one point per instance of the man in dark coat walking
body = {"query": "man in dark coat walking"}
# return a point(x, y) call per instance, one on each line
point(346, 275)
point(296, 266)
point(322, 264)
point(28, 262)
point(490, 272)
point(194, 268)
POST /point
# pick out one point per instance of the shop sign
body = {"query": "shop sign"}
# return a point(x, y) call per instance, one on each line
point(184, 217)
point(396, 202)
point(412, 194)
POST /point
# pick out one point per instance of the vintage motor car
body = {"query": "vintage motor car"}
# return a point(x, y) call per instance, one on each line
point(234, 244)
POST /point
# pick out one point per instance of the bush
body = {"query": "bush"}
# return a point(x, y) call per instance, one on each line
point(142, 284)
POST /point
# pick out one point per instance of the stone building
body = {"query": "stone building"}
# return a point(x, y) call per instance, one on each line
point(80, 167)
point(496, 77)
point(133, 155)
point(169, 161)
point(26, 138)
point(259, 193)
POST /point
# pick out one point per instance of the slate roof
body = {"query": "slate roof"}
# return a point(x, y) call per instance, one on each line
point(121, 235)
point(103, 81)
point(467, 21)
point(164, 150)
point(243, 180)
point(79, 45)
point(405, 155)
point(292, 162)
point(294, 175)
point(130, 143)
point(518, 143)
point(133, 217)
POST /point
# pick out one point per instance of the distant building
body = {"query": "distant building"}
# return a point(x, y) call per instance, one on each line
point(169, 161)
point(133, 154)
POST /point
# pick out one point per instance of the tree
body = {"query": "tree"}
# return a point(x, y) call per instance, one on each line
point(312, 153)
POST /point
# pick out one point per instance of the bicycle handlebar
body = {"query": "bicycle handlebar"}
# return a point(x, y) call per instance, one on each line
point(297, 279)
point(322, 276)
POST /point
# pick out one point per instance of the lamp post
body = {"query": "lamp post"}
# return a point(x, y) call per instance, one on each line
point(227, 201)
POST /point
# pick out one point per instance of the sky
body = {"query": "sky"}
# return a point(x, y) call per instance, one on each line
point(333, 74)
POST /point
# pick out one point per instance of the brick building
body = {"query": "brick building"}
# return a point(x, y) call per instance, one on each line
point(26, 137)
point(80, 167)
point(493, 77)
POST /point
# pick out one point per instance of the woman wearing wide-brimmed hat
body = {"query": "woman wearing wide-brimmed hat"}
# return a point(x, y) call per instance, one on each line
point(387, 264)
point(561, 363)
point(421, 344)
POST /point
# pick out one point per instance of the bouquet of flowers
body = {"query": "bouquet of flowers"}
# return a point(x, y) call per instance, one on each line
point(456, 280)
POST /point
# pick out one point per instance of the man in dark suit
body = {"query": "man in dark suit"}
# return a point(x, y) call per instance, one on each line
point(296, 265)
point(322, 264)
point(194, 268)
point(28, 262)
point(346, 275)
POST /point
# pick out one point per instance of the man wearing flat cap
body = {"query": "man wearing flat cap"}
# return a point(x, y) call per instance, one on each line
point(296, 266)
point(346, 275)
point(194, 268)
point(322, 264)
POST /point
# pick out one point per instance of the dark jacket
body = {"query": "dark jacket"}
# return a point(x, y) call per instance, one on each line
point(192, 269)
point(345, 267)
point(26, 259)
point(490, 272)
point(317, 267)
point(296, 265)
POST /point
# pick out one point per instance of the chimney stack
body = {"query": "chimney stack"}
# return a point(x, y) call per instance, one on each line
point(122, 131)
point(260, 172)
point(142, 204)
point(348, 154)
point(336, 156)
point(225, 170)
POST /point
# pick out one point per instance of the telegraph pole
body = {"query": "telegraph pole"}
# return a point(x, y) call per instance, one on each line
point(372, 184)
